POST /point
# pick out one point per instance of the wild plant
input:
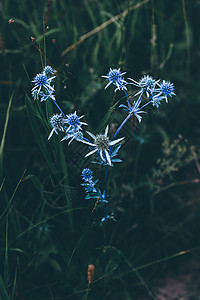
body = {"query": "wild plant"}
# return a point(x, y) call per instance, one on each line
point(102, 147)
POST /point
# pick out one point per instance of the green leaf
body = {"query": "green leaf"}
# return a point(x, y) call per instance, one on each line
point(37, 134)
point(4, 134)
point(104, 122)
point(3, 292)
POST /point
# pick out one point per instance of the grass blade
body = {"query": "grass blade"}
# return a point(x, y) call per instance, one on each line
point(4, 134)
point(37, 134)
point(3, 292)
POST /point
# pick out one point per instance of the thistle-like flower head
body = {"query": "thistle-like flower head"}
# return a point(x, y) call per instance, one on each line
point(147, 81)
point(146, 84)
point(114, 76)
point(102, 142)
point(74, 123)
point(73, 119)
point(156, 100)
point(57, 122)
point(48, 70)
point(102, 145)
point(42, 81)
point(166, 88)
point(87, 175)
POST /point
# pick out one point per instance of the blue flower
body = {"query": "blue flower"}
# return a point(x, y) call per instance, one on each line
point(114, 76)
point(146, 84)
point(41, 81)
point(57, 122)
point(102, 145)
point(166, 88)
point(48, 70)
point(74, 123)
point(73, 132)
point(87, 175)
point(156, 100)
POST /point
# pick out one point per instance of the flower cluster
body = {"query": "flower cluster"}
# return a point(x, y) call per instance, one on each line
point(92, 191)
point(87, 175)
point(74, 130)
point(70, 124)
point(103, 147)
point(42, 82)
point(154, 90)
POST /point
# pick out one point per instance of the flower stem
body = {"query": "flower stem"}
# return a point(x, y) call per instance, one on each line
point(145, 104)
point(105, 206)
point(122, 124)
point(86, 140)
point(59, 108)
point(130, 114)
point(128, 102)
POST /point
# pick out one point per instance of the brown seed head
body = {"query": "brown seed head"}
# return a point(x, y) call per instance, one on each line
point(91, 269)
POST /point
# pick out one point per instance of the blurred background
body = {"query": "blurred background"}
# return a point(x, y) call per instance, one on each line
point(48, 231)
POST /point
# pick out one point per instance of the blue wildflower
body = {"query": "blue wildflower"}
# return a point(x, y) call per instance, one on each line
point(40, 81)
point(57, 122)
point(166, 88)
point(156, 100)
point(48, 70)
point(74, 123)
point(114, 76)
point(87, 175)
point(102, 145)
point(146, 84)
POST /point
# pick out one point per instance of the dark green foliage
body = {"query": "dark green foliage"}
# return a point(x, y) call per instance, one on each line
point(47, 242)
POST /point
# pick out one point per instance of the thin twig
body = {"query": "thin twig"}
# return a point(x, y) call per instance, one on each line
point(102, 26)
point(196, 180)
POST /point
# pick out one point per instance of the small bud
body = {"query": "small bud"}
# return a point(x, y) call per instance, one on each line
point(54, 41)
point(10, 21)
point(47, 28)
point(91, 269)
point(32, 38)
